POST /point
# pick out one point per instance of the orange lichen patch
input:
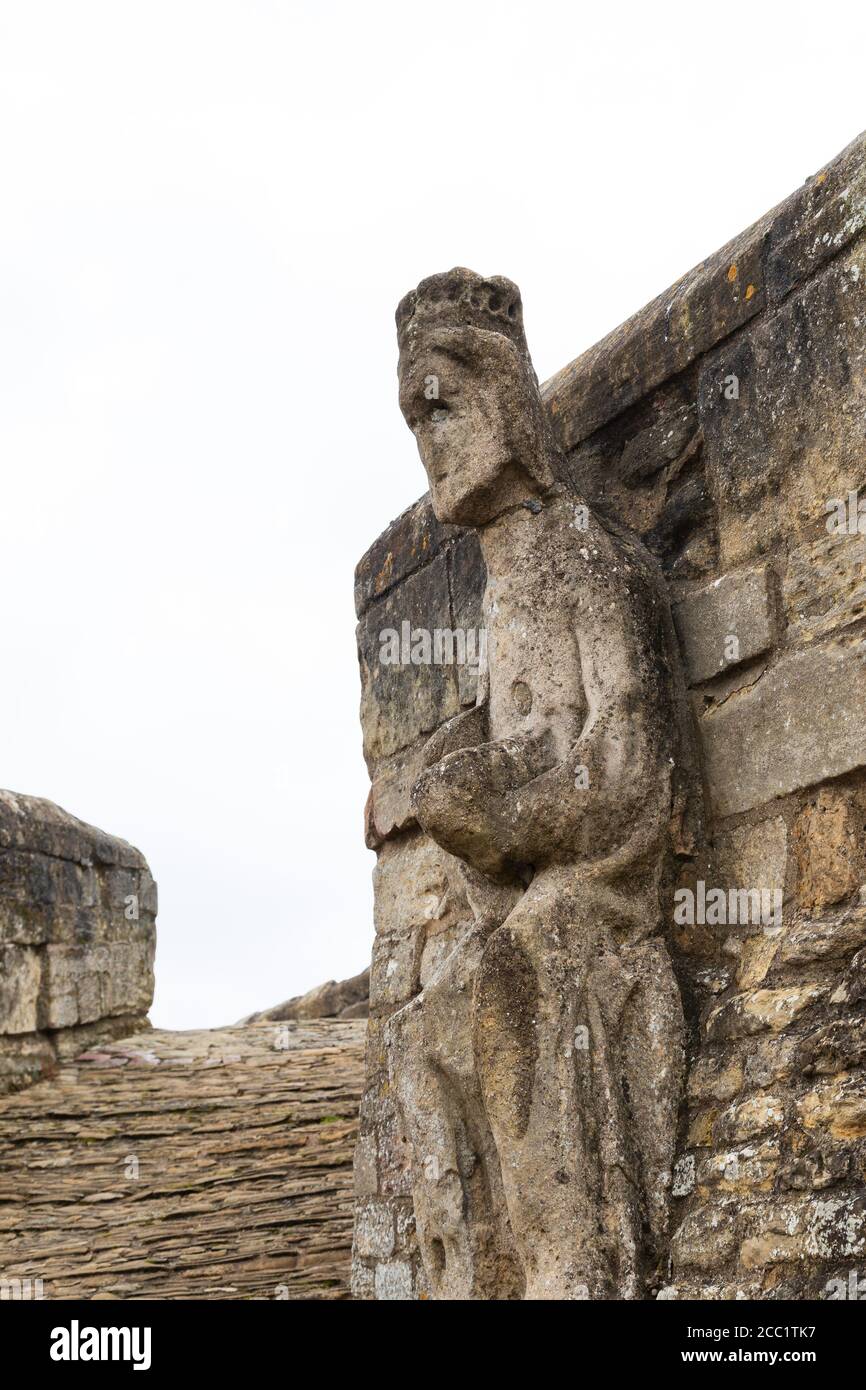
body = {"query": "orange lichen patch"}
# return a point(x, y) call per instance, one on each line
point(733, 273)
point(822, 178)
point(701, 1129)
point(750, 291)
point(383, 578)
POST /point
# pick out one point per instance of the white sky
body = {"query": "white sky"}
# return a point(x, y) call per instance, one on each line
point(209, 213)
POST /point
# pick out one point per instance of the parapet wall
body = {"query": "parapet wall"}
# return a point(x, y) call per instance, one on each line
point(77, 938)
point(724, 424)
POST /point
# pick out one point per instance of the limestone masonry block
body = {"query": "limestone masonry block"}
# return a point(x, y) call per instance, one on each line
point(20, 978)
point(401, 702)
point(77, 937)
point(824, 585)
point(725, 623)
point(829, 848)
point(790, 439)
point(803, 722)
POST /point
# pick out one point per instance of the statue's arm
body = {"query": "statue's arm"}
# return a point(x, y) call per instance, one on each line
point(518, 802)
point(462, 799)
point(614, 773)
point(465, 729)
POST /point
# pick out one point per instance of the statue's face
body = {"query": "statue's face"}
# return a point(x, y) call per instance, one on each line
point(468, 401)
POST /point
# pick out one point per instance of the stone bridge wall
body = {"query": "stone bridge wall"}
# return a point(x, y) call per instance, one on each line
point(719, 423)
point(77, 936)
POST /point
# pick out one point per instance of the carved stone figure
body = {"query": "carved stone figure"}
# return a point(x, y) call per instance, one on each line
point(539, 1073)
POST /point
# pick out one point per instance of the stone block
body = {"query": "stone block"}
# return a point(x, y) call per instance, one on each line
point(725, 624)
point(407, 545)
point(395, 971)
point(388, 809)
point(365, 1166)
point(467, 576)
point(837, 1107)
point(824, 585)
point(761, 1010)
point(818, 221)
point(20, 979)
point(415, 883)
point(802, 723)
point(815, 941)
point(828, 847)
point(374, 1229)
point(394, 1281)
point(786, 443)
point(752, 856)
point(404, 699)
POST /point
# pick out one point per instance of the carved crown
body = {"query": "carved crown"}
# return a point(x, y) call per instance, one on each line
point(460, 298)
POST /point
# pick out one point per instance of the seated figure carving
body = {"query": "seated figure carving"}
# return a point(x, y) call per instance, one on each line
point(539, 1074)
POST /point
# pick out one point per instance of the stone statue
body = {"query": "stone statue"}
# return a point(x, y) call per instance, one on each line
point(539, 1074)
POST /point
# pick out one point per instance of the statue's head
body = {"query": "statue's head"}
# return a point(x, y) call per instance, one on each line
point(470, 396)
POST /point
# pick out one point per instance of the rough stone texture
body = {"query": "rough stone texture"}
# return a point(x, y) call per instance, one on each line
point(824, 586)
point(77, 934)
point(206, 1165)
point(719, 425)
point(488, 1079)
point(343, 999)
point(724, 624)
point(799, 725)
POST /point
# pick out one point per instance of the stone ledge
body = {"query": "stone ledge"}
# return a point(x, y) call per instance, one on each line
point(714, 299)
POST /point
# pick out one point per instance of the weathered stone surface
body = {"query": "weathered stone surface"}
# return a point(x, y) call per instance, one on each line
point(334, 999)
point(20, 980)
point(416, 883)
point(425, 693)
point(209, 1165)
point(718, 425)
point(818, 941)
point(837, 1107)
point(787, 443)
point(77, 933)
point(819, 221)
point(409, 543)
point(395, 975)
point(758, 1010)
point(394, 1281)
point(724, 624)
point(648, 476)
point(707, 305)
point(466, 579)
point(802, 723)
point(83, 983)
point(753, 856)
point(829, 847)
point(577, 624)
point(824, 586)
point(38, 826)
point(388, 810)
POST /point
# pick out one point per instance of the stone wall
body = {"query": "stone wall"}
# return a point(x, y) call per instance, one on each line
point(719, 424)
point(77, 936)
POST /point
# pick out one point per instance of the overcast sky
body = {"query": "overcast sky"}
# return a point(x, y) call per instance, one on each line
point(209, 213)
